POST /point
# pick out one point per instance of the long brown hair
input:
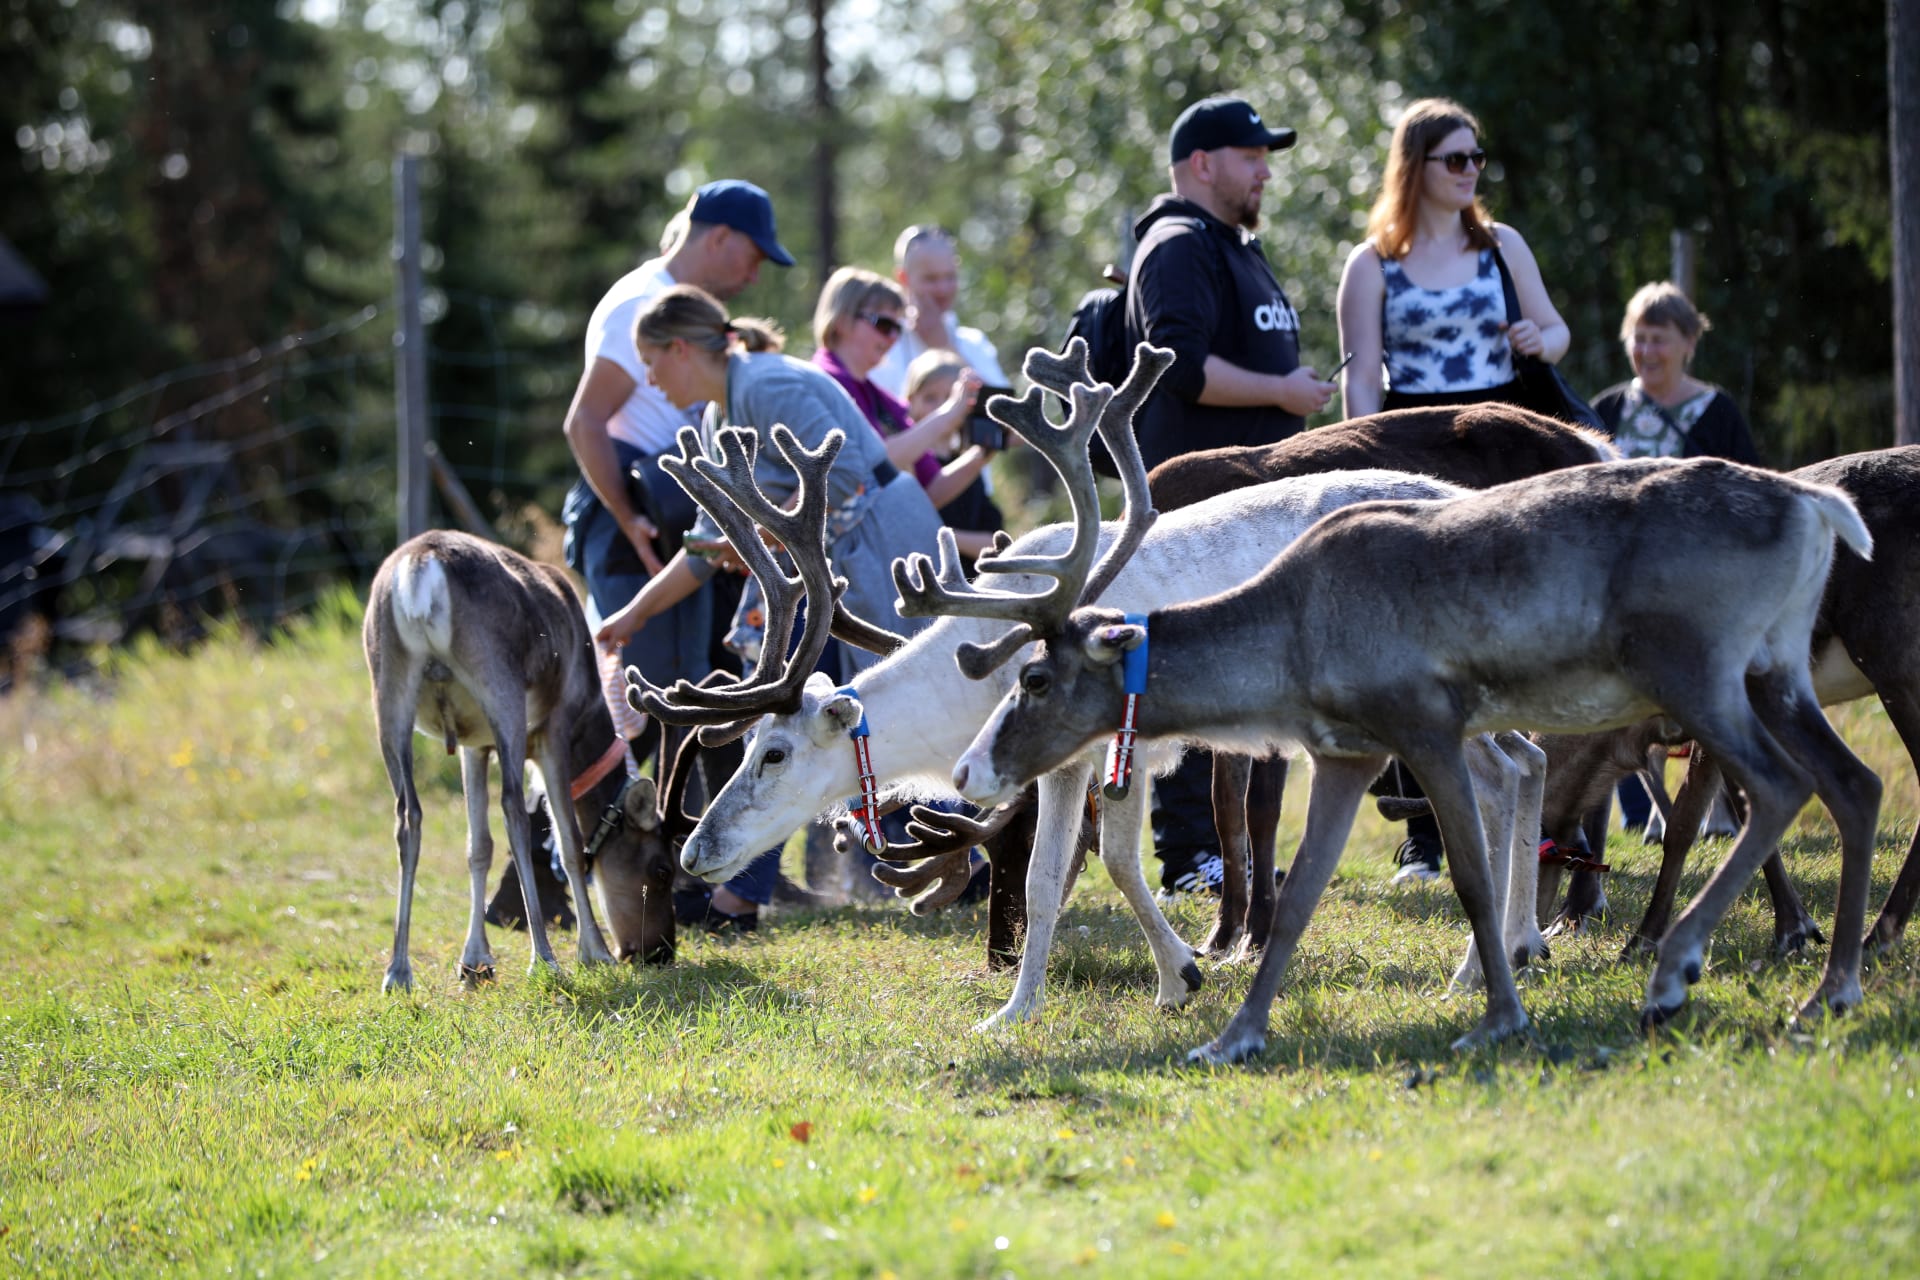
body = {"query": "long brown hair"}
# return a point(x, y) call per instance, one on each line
point(1395, 212)
point(690, 312)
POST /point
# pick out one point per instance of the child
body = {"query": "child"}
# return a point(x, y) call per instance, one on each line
point(973, 515)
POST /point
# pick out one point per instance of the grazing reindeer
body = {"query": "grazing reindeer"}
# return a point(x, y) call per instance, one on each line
point(1402, 628)
point(1863, 642)
point(487, 651)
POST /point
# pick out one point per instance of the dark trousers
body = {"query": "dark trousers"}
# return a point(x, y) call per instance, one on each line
point(1182, 810)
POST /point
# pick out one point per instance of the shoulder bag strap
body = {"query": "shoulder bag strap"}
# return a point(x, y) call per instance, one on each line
point(1506, 287)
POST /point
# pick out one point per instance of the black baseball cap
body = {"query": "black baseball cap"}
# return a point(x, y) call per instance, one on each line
point(730, 202)
point(1212, 123)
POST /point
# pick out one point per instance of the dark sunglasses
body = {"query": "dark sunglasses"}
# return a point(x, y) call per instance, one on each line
point(1457, 161)
point(887, 325)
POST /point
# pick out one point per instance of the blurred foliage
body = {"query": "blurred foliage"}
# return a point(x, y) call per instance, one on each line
point(196, 178)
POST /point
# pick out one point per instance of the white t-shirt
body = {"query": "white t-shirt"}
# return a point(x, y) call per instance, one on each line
point(647, 421)
point(890, 375)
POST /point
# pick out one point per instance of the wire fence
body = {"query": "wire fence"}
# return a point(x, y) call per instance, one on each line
point(248, 488)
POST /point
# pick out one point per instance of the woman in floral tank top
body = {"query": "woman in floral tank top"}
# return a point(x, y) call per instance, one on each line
point(1422, 310)
point(1666, 412)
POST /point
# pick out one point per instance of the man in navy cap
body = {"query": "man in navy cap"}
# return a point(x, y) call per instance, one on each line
point(1201, 287)
point(623, 505)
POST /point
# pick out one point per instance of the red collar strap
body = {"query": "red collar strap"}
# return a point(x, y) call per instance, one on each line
point(866, 813)
point(615, 753)
point(1569, 856)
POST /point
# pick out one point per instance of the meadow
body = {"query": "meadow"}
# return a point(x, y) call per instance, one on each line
point(199, 1074)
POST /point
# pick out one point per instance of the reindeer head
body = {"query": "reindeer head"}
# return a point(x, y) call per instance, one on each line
point(633, 878)
point(1067, 697)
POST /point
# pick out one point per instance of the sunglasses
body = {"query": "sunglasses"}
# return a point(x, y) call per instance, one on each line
point(887, 325)
point(1457, 161)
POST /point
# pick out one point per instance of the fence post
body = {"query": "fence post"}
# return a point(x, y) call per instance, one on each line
point(410, 354)
point(1680, 246)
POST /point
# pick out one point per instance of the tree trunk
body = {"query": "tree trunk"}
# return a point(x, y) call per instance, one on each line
point(1903, 142)
point(823, 151)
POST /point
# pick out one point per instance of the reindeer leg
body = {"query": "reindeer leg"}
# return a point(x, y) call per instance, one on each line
point(1264, 788)
point(510, 740)
point(1120, 823)
point(1010, 851)
point(1496, 795)
point(476, 958)
point(1724, 721)
point(1851, 792)
point(1901, 697)
point(396, 695)
point(1525, 943)
point(1231, 775)
point(1442, 770)
point(1060, 796)
point(1338, 786)
point(556, 768)
point(1683, 818)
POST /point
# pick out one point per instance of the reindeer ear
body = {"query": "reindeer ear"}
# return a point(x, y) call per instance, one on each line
point(1106, 644)
point(842, 711)
point(641, 805)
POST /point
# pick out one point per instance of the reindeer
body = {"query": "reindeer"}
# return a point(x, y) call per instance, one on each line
point(1862, 644)
point(484, 650)
point(1402, 628)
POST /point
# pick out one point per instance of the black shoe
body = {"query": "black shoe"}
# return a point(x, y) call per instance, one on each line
point(1192, 871)
point(694, 908)
point(1418, 859)
point(507, 910)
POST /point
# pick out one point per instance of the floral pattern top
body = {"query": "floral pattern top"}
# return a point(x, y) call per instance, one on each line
point(1445, 340)
point(1649, 430)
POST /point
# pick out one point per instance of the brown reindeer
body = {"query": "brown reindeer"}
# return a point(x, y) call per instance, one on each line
point(488, 652)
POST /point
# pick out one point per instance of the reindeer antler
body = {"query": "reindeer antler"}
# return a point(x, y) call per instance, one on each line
point(939, 863)
point(725, 487)
point(1096, 406)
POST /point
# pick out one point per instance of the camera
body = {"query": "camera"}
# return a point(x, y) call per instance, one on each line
point(982, 430)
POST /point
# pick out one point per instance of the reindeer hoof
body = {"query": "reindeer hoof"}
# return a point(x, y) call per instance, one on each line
point(1228, 1050)
point(1836, 999)
point(1654, 1016)
point(1526, 953)
point(397, 980)
point(474, 975)
point(1191, 975)
point(1797, 938)
point(1491, 1030)
point(1639, 947)
point(1882, 937)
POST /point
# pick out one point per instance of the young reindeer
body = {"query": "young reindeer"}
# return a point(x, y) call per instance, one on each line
point(1402, 628)
point(485, 650)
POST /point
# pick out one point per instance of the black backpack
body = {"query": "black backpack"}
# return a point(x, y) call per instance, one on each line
point(1101, 319)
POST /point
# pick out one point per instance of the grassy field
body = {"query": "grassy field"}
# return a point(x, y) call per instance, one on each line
point(198, 1072)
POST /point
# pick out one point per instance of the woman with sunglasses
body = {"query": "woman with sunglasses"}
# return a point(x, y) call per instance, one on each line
point(1423, 318)
point(859, 317)
point(1422, 310)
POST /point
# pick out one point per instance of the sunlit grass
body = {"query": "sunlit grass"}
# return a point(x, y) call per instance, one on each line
point(198, 1072)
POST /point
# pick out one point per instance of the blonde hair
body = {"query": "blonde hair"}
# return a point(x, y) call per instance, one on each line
point(848, 292)
point(935, 362)
point(1662, 302)
point(1396, 210)
point(690, 313)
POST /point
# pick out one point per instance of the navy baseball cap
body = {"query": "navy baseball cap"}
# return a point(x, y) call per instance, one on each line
point(1212, 123)
point(744, 207)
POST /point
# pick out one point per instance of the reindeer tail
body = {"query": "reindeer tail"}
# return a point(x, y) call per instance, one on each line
point(422, 605)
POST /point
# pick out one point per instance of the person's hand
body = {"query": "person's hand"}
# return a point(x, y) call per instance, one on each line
point(623, 626)
point(641, 533)
point(1302, 392)
point(720, 552)
point(1524, 337)
point(966, 388)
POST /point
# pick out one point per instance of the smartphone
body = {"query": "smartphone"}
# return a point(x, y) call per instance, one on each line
point(981, 429)
point(1337, 368)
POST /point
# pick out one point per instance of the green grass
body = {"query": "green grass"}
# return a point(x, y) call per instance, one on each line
point(198, 1072)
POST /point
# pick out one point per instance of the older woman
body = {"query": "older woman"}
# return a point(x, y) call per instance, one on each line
point(859, 317)
point(1422, 309)
point(1666, 412)
point(693, 353)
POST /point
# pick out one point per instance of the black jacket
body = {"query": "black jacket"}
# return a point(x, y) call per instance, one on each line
point(1720, 432)
point(1200, 288)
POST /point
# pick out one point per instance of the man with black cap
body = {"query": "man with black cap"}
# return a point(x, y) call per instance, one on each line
point(620, 424)
point(1201, 287)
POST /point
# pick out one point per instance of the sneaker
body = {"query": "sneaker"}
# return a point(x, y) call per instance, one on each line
point(1418, 859)
point(1199, 872)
